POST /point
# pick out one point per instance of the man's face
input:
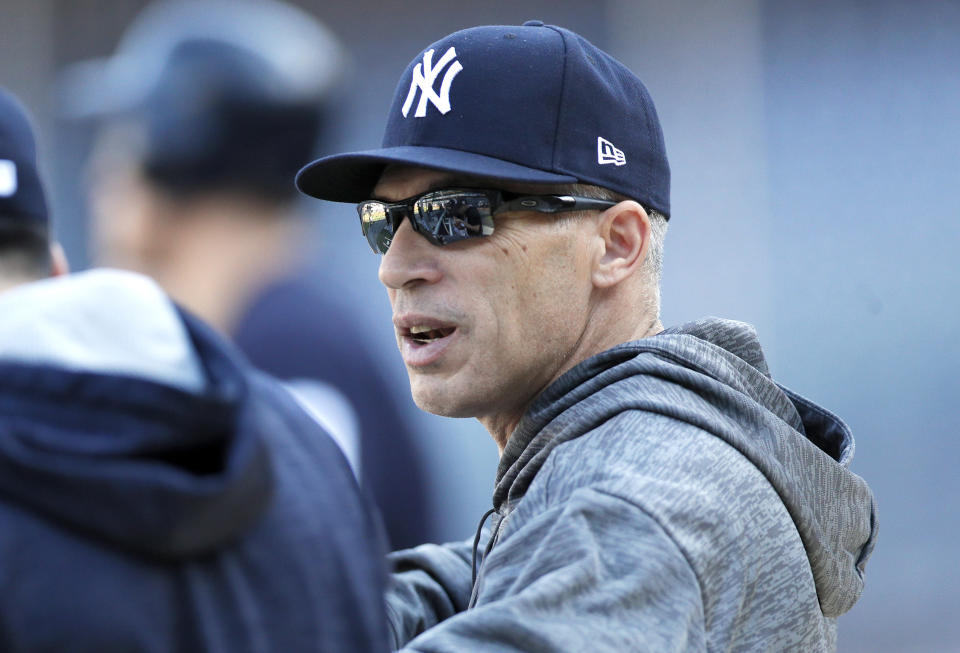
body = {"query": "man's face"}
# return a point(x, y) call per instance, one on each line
point(129, 218)
point(485, 324)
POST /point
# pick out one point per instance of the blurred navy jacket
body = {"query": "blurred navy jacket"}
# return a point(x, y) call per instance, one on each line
point(157, 494)
point(297, 330)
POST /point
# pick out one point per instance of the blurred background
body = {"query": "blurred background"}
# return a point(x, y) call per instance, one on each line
point(815, 149)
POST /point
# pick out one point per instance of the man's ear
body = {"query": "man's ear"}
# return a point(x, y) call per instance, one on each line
point(625, 233)
point(58, 260)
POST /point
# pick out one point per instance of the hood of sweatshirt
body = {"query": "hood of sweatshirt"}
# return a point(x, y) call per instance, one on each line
point(124, 418)
point(802, 449)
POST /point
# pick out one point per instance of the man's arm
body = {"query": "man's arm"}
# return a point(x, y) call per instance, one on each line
point(430, 584)
point(594, 573)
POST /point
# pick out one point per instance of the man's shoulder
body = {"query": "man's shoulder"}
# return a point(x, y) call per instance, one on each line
point(709, 499)
point(314, 484)
point(636, 441)
point(660, 464)
point(284, 423)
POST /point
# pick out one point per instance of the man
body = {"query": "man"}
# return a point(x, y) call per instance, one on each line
point(657, 490)
point(157, 494)
point(26, 250)
point(207, 110)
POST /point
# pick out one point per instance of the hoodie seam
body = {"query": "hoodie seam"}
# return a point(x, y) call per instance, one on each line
point(666, 531)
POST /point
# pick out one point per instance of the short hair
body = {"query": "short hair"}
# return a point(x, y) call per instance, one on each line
point(658, 224)
point(652, 267)
point(24, 250)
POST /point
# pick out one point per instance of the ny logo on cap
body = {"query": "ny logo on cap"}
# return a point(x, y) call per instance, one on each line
point(424, 76)
point(607, 153)
point(8, 178)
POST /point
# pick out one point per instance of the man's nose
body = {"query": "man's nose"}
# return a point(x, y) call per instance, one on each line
point(410, 260)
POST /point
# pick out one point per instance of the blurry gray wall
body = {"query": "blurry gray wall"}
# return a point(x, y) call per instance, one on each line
point(814, 148)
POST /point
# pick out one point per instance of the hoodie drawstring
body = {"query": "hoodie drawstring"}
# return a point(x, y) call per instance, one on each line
point(486, 550)
point(476, 543)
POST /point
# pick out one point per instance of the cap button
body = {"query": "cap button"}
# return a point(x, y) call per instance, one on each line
point(533, 23)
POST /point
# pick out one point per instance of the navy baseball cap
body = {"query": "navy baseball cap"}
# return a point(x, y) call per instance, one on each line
point(535, 104)
point(228, 94)
point(21, 193)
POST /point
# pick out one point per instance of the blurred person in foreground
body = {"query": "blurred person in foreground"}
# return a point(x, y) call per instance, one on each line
point(207, 110)
point(657, 490)
point(157, 493)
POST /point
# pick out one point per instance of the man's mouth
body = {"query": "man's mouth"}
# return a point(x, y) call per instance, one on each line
point(425, 340)
point(424, 335)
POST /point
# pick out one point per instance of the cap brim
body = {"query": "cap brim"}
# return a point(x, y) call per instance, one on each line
point(352, 177)
point(99, 88)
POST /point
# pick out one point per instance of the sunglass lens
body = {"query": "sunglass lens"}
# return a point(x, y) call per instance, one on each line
point(447, 217)
point(375, 225)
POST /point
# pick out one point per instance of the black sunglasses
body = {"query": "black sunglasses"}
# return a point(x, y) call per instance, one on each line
point(447, 216)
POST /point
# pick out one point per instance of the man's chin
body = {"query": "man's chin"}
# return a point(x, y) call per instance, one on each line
point(445, 401)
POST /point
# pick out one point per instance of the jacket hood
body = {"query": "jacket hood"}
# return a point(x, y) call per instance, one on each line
point(124, 418)
point(803, 450)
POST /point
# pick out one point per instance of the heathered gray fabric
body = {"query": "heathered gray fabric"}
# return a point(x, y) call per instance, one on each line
point(665, 495)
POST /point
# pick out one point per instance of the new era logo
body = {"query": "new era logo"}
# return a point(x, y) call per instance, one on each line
point(607, 153)
point(424, 76)
point(8, 178)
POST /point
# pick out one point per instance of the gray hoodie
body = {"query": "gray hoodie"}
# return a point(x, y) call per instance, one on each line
point(664, 495)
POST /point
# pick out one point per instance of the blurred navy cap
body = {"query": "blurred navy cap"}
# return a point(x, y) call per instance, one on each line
point(228, 94)
point(533, 104)
point(21, 193)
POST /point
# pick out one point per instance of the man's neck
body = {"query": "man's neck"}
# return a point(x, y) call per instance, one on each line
point(501, 426)
point(221, 266)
